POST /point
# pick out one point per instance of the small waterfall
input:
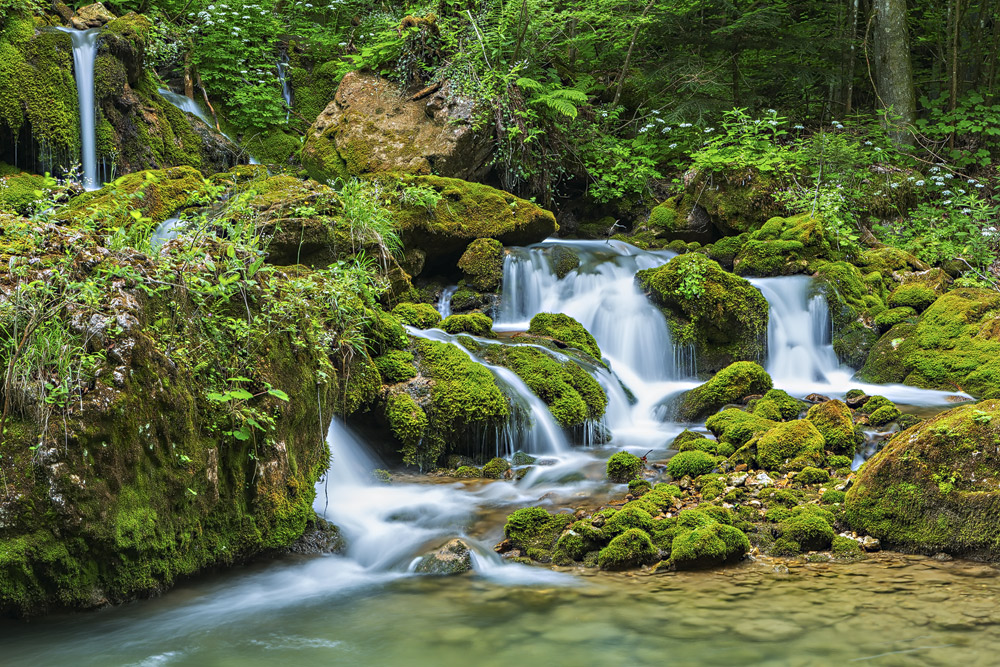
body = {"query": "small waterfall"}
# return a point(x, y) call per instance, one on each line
point(286, 90)
point(444, 303)
point(532, 429)
point(187, 105)
point(165, 231)
point(84, 54)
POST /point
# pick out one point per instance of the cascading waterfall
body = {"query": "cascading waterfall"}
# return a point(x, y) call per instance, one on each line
point(444, 303)
point(187, 105)
point(84, 55)
point(286, 90)
point(165, 231)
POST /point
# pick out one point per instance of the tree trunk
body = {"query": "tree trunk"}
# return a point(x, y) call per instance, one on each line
point(893, 70)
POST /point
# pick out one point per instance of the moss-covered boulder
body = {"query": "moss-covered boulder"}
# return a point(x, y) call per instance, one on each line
point(476, 324)
point(776, 405)
point(573, 396)
point(19, 191)
point(736, 427)
point(563, 259)
point(482, 264)
point(722, 315)
point(450, 213)
point(495, 468)
point(703, 540)
point(834, 420)
point(566, 330)
point(782, 246)
point(730, 385)
point(954, 345)
point(735, 200)
point(912, 295)
point(455, 557)
point(630, 549)
point(534, 531)
point(854, 301)
point(371, 126)
point(623, 467)
point(153, 196)
point(935, 487)
point(419, 315)
point(678, 218)
point(690, 463)
point(791, 445)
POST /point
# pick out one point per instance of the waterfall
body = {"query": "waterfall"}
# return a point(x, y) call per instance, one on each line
point(532, 429)
point(165, 231)
point(444, 303)
point(84, 54)
point(286, 90)
point(187, 105)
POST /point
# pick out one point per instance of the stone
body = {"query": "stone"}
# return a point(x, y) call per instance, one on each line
point(738, 480)
point(869, 543)
point(761, 479)
point(373, 126)
point(455, 557)
point(91, 16)
point(817, 398)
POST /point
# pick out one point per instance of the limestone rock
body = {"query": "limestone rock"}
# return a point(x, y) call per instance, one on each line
point(453, 558)
point(91, 16)
point(372, 126)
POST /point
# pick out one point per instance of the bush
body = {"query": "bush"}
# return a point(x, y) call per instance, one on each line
point(623, 467)
point(691, 463)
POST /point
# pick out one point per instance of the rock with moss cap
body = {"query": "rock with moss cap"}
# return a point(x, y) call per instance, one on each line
point(703, 540)
point(623, 467)
point(954, 345)
point(534, 531)
point(495, 468)
point(419, 315)
point(632, 548)
point(722, 315)
point(476, 324)
point(676, 219)
point(563, 259)
point(455, 557)
point(690, 463)
point(154, 195)
point(736, 427)
point(934, 487)
point(730, 385)
point(912, 295)
point(776, 405)
point(564, 329)
point(791, 445)
point(482, 264)
point(782, 246)
point(854, 301)
point(834, 420)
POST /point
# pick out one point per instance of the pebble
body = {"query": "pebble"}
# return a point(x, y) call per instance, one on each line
point(869, 543)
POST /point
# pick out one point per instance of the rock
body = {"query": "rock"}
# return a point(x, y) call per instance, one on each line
point(91, 16)
point(703, 540)
point(455, 557)
point(565, 329)
point(833, 419)
point(934, 487)
point(738, 480)
point(482, 264)
point(674, 219)
point(788, 445)
point(782, 246)
point(869, 543)
point(727, 386)
point(817, 398)
point(372, 126)
point(724, 317)
point(761, 479)
point(943, 557)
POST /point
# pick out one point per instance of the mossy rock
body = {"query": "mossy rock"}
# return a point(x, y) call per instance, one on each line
point(846, 548)
point(690, 463)
point(623, 467)
point(702, 540)
point(811, 475)
point(395, 366)
point(407, 420)
point(632, 548)
point(853, 301)
point(783, 246)
point(482, 264)
point(776, 405)
point(684, 436)
point(564, 259)
point(476, 324)
point(914, 295)
point(722, 315)
point(464, 212)
point(833, 497)
point(713, 447)
point(419, 315)
point(736, 427)
point(496, 468)
point(730, 385)
point(626, 519)
point(834, 420)
point(468, 472)
point(566, 330)
point(954, 345)
point(18, 192)
point(534, 531)
point(935, 487)
point(736, 201)
point(792, 445)
point(153, 194)
point(890, 318)
point(572, 395)
point(810, 531)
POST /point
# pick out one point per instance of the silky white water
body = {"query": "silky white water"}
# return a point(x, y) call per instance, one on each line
point(187, 105)
point(84, 55)
point(286, 90)
point(444, 302)
point(165, 231)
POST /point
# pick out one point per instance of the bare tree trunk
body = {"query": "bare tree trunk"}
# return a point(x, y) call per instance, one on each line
point(188, 80)
point(852, 57)
point(628, 56)
point(893, 69)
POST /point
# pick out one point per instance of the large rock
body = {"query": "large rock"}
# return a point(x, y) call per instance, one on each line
point(374, 126)
point(954, 345)
point(730, 385)
point(935, 487)
point(91, 16)
point(722, 315)
point(453, 558)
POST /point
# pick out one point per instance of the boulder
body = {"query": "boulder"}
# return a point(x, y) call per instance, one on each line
point(782, 246)
point(91, 16)
point(453, 558)
point(935, 487)
point(372, 126)
point(731, 384)
point(721, 314)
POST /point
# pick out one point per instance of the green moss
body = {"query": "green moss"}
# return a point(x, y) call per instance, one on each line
point(383, 332)
point(794, 445)
point(711, 446)
point(564, 329)
point(736, 427)
point(724, 251)
point(522, 459)
point(703, 541)
point(833, 497)
point(890, 318)
point(419, 315)
point(884, 415)
point(639, 487)
point(395, 366)
point(782, 246)
point(155, 194)
point(657, 500)
point(722, 315)
point(914, 295)
point(19, 192)
point(691, 463)
point(468, 471)
point(626, 519)
point(810, 531)
point(623, 467)
point(630, 549)
point(729, 385)
point(534, 531)
point(712, 490)
point(786, 547)
point(845, 547)
point(495, 468)
point(684, 436)
point(573, 396)
point(777, 405)
point(833, 419)
point(406, 419)
point(563, 259)
point(482, 264)
point(810, 475)
point(476, 324)
point(580, 539)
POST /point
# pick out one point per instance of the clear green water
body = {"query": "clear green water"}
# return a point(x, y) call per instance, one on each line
point(891, 610)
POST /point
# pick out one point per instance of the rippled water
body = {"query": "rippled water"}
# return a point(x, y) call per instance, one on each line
point(891, 610)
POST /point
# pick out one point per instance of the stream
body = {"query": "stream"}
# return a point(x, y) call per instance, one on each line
point(367, 607)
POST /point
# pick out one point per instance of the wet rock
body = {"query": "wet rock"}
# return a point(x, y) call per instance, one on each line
point(817, 398)
point(453, 558)
point(869, 543)
point(91, 16)
point(943, 557)
point(320, 537)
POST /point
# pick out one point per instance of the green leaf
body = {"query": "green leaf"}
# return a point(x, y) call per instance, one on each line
point(277, 393)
